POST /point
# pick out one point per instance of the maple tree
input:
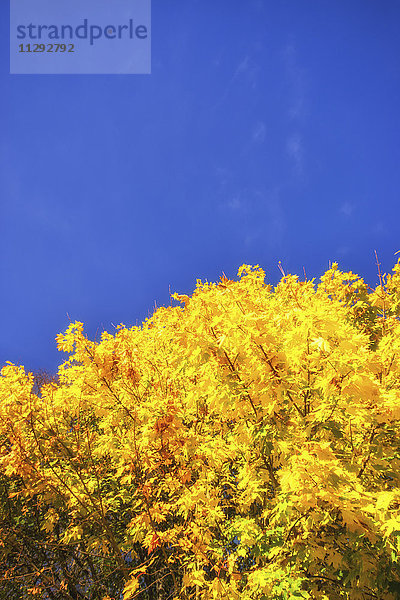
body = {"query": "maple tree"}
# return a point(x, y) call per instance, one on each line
point(242, 445)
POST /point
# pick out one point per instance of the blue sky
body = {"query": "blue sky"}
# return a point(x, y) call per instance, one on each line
point(267, 131)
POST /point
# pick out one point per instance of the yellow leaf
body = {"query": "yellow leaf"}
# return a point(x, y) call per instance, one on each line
point(130, 588)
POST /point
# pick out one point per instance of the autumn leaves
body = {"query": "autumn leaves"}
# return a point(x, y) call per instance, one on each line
point(248, 428)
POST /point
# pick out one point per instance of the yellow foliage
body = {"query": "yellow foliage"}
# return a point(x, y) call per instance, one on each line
point(251, 433)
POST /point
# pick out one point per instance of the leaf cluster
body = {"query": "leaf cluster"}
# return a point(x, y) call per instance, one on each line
point(243, 445)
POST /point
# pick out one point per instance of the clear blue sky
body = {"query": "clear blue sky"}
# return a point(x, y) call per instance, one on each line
point(268, 130)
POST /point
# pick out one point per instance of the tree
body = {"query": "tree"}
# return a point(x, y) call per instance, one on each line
point(242, 446)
